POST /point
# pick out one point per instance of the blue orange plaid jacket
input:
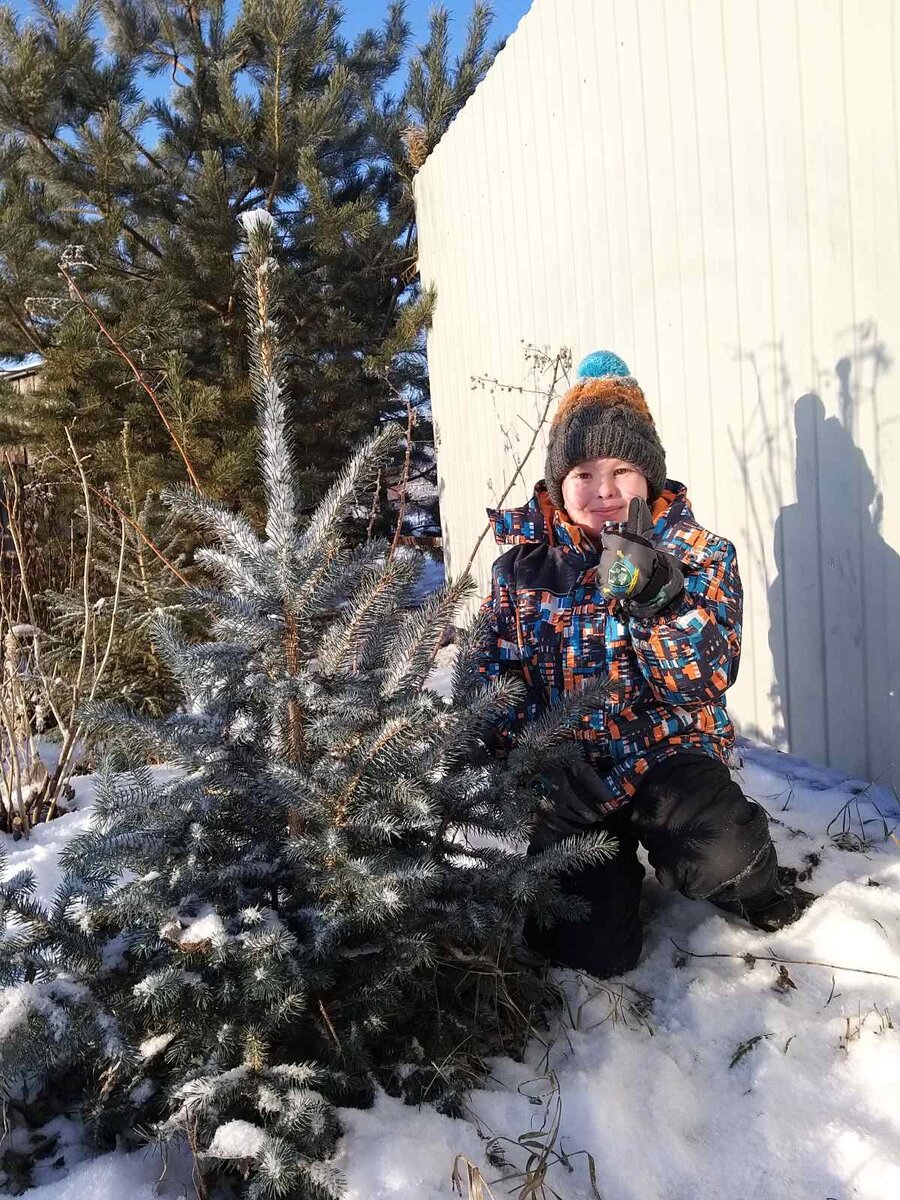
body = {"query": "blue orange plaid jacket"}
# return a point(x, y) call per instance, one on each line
point(549, 622)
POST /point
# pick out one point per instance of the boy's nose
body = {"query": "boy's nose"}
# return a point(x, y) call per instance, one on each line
point(607, 488)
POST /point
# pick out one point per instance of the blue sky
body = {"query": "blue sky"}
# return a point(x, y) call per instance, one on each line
point(359, 14)
point(507, 14)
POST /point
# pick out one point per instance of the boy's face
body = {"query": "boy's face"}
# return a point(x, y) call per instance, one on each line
point(600, 490)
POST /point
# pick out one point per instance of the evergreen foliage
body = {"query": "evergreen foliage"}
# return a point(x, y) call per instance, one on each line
point(138, 201)
point(319, 892)
point(267, 105)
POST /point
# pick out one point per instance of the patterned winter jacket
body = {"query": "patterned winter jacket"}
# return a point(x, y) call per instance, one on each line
point(550, 623)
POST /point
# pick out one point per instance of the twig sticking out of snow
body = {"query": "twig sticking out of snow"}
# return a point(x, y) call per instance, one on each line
point(750, 959)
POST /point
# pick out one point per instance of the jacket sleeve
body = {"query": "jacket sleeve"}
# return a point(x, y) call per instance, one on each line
point(502, 651)
point(689, 653)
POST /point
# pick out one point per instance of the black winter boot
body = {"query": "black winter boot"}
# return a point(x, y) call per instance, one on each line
point(785, 906)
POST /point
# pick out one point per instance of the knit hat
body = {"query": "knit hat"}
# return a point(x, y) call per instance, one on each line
point(604, 415)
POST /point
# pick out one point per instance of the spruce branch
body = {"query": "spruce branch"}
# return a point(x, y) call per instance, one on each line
point(233, 530)
point(393, 731)
point(422, 635)
point(345, 646)
point(276, 456)
point(359, 471)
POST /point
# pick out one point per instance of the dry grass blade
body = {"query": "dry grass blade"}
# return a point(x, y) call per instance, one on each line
point(476, 1186)
point(850, 813)
point(544, 1149)
point(630, 1010)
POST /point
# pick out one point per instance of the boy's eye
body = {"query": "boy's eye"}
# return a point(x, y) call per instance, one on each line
point(623, 471)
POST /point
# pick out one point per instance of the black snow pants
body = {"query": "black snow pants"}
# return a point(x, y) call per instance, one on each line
point(703, 837)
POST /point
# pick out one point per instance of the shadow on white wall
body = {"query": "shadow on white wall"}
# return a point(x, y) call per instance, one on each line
point(834, 604)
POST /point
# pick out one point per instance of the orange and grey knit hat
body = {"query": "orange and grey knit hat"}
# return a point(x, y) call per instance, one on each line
point(604, 415)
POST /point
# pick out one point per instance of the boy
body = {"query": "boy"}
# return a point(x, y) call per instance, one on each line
point(610, 577)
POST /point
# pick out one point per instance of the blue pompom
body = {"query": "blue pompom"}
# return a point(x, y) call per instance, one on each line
point(601, 364)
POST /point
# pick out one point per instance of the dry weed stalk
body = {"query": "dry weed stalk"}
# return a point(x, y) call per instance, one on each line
point(541, 363)
point(403, 489)
point(854, 1026)
point(33, 693)
point(751, 959)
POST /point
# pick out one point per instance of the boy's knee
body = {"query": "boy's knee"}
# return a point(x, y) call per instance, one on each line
point(608, 941)
point(735, 859)
point(588, 945)
point(702, 834)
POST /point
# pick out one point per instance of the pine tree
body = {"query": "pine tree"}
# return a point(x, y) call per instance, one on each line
point(136, 202)
point(320, 893)
point(267, 107)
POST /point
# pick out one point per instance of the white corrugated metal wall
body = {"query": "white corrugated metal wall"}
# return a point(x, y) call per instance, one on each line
point(711, 188)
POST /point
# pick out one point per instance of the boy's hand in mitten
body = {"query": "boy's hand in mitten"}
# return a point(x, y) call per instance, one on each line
point(576, 794)
point(631, 570)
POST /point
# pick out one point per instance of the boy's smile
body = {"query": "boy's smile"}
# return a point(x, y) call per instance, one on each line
point(600, 490)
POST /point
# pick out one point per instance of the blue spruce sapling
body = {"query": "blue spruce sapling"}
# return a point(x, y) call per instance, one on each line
point(320, 890)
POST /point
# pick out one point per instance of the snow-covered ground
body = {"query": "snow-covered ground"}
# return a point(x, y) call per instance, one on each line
point(690, 1078)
